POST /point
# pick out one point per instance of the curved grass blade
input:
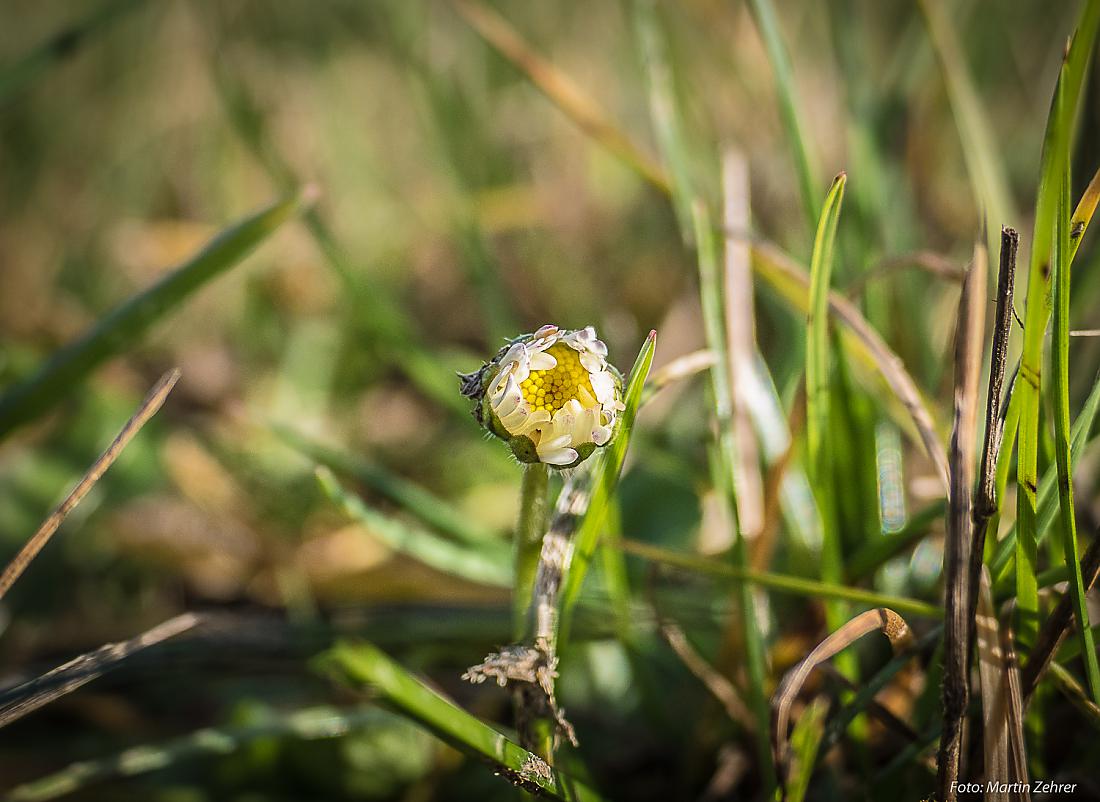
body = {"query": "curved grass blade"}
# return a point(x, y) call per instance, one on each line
point(1060, 348)
point(782, 583)
point(365, 664)
point(486, 565)
point(881, 619)
point(119, 330)
point(603, 488)
point(818, 459)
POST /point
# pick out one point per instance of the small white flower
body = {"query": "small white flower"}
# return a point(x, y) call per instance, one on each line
point(552, 395)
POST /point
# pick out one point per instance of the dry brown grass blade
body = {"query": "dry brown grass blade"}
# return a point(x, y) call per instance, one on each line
point(66, 678)
point(741, 342)
point(791, 281)
point(991, 674)
point(558, 87)
point(1056, 627)
point(882, 619)
point(39, 539)
point(957, 620)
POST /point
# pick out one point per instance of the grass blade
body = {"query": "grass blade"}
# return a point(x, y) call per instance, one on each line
point(365, 664)
point(991, 674)
point(1060, 348)
point(29, 696)
point(887, 621)
point(818, 460)
point(309, 724)
point(488, 566)
point(587, 536)
point(119, 330)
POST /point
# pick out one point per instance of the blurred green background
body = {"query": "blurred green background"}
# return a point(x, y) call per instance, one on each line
point(457, 205)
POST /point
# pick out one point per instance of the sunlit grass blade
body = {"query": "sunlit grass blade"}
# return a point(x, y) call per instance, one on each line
point(121, 329)
point(818, 460)
point(411, 497)
point(362, 664)
point(17, 75)
point(309, 724)
point(1056, 141)
point(587, 536)
point(1060, 349)
point(483, 564)
point(781, 583)
point(805, 169)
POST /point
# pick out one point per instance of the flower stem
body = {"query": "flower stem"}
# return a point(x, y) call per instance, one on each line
point(534, 514)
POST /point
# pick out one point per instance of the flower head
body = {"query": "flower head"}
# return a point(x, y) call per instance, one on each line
point(552, 395)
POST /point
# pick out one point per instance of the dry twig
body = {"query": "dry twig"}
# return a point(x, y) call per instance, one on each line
point(40, 538)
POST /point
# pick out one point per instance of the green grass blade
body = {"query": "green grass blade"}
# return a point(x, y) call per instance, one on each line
point(364, 664)
point(1060, 349)
point(488, 566)
point(120, 330)
point(782, 583)
point(1056, 140)
point(310, 724)
point(805, 170)
point(587, 537)
point(411, 497)
point(1047, 496)
point(818, 458)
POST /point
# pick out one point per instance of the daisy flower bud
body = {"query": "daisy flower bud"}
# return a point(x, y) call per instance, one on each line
point(551, 395)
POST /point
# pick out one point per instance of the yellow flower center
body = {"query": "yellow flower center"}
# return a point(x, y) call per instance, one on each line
point(550, 390)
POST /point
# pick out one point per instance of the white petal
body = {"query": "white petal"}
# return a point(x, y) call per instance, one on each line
point(603, 385)
point(601, 434)
point(564, 456)
point(543, 361)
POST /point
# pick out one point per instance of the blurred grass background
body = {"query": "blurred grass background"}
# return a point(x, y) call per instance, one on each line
point(457, 206)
